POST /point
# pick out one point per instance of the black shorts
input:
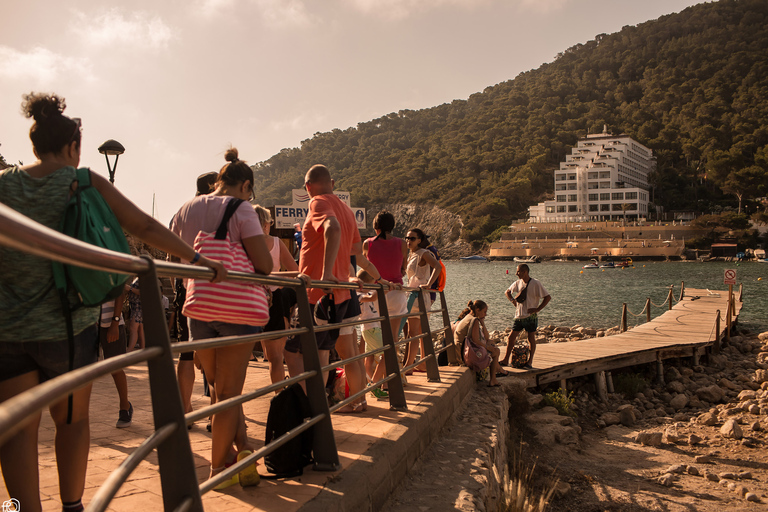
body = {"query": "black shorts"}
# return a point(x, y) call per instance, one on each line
point(113, 348)
point(326, 314)
point(282, 302)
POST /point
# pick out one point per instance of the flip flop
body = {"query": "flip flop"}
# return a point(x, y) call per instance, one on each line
point(502, 374)
point(494, 385)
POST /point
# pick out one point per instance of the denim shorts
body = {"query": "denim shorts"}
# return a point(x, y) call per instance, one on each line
point(201, 330)
point(49, 358)
point(529, 323)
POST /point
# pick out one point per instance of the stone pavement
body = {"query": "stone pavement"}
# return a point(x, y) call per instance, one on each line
point(376, 448)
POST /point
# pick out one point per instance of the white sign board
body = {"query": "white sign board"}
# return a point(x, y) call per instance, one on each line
point(730, 276)
point(287, 216)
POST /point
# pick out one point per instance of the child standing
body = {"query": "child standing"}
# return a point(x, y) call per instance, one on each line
point(374, 366)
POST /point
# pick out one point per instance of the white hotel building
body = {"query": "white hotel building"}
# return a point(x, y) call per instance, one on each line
point(604, 178)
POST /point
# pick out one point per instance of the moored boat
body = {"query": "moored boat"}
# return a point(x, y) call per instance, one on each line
point(475, 257)
point(529, 259)
point(592, 265)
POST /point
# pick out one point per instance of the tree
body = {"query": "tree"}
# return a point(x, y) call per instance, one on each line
point(747, 182)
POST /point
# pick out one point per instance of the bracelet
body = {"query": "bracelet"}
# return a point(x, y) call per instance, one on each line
point(195, 259)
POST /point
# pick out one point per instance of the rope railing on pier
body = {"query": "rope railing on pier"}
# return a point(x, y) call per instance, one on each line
point(170, 439)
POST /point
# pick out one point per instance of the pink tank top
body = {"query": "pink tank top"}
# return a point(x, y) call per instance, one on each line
point(387, 256)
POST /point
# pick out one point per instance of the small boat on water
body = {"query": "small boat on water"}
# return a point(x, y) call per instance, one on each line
point(475, 257)
point(592, 265)
point(608, 264)
point(529, 259)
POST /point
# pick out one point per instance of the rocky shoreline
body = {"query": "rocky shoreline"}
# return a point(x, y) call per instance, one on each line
point(696, 441)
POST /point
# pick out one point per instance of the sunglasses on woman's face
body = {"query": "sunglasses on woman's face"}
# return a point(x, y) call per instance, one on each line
point(411, 238)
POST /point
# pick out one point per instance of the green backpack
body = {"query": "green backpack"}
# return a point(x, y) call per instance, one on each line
point(89, 219)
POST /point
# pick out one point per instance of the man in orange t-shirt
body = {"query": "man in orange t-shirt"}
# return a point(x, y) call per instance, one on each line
point(329, 238)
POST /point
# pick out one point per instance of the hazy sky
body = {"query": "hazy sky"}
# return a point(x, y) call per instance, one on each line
point(177, 82)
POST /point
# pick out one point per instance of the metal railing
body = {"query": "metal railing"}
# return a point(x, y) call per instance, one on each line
point(170, 438)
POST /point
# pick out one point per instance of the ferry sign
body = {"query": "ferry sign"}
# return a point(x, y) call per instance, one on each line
point(730, 276)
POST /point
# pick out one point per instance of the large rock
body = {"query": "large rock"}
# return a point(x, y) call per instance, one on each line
point(676, 386)
point(731, 430)
point(761, 376)
point(713, 394)
point(649, 438)
point(679, 401)
point(611, 418)
point(708, 419)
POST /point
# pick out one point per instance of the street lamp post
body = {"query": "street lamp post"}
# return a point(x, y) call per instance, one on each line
point(111, 147)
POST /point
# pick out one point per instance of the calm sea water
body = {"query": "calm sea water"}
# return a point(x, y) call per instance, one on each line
point(593, 298)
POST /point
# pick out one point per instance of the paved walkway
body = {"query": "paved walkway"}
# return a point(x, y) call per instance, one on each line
point(376, 448)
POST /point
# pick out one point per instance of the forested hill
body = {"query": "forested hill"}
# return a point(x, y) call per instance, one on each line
point(692, 86)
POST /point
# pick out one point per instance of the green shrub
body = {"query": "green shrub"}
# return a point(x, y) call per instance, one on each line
point(629, 384)
point(560, 401)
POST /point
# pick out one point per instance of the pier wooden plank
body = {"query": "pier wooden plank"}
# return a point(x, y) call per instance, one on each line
point(686, 329)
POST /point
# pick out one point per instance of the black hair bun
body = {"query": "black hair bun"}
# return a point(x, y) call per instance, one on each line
point(41, 106)
point(231, 155)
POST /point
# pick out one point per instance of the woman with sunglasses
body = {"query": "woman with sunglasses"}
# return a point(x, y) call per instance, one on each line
point(33, 339)
point(283, 299)
point(422, 270)
point(225, 367)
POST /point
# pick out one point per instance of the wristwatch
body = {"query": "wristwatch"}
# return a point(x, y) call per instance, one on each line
point(116, 319)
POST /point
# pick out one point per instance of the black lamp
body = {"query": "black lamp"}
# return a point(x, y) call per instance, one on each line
point(111, 147)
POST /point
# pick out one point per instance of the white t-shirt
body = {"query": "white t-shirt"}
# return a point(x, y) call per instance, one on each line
point(536, 292)
point(369, 310)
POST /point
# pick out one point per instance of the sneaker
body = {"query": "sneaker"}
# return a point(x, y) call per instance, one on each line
point(125, 417)
point(250, 475)
point(380, 394)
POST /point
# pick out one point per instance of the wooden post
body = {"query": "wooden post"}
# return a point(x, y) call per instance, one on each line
point(564, 387)
point(741, 292)
point(696, 356)
point(730, 304)
point(624, 317)
point(670, 298)
point(600, 386)
point(609, 381)
point(728, 325)
point(659, 370)
point(716, 345)
point(682, 289)
point(648, 309)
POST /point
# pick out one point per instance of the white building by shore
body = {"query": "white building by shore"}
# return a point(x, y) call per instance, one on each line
point(604, 178)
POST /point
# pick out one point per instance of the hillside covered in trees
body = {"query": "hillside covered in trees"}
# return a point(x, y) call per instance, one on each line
point(692, 86)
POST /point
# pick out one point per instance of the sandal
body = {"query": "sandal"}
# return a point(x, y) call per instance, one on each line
point(249, 476)
point(380, 394)
point(354, 409)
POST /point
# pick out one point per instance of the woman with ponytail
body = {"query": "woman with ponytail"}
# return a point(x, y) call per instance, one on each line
point(471, 325)
point(34, 345)
point(388, 254)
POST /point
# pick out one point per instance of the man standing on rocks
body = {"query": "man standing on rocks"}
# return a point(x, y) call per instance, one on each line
point(525, 294)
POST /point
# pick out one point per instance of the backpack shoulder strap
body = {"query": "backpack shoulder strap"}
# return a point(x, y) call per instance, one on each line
point(232, 206)
point(83, 177)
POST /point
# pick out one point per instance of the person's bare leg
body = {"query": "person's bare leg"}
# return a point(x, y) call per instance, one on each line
point(185, 373)
point(495, 368)
point(18, 456)
point(532, 342)
point(510, 343)
point(133, 334)
point(274, 349)
point(414, 329)
point(295, 363)
point(142, 341)
point(121, 383)
point(355, 371)
point(73, 441)
point(230, 367)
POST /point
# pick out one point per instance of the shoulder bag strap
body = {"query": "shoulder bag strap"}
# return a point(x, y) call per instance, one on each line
point(232, 206)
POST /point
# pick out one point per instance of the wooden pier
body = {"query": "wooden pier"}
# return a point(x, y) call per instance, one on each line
point(692, 327)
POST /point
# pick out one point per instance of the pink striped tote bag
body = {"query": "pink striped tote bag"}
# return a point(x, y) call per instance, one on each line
point(234, 303)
